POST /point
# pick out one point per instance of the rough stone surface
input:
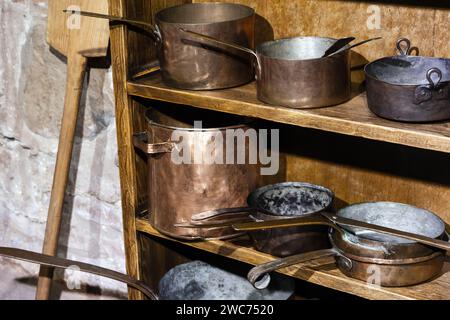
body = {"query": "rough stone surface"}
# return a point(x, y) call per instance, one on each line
point(32, 86)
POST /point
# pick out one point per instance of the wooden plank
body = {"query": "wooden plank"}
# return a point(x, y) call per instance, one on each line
point(360, 170)
point(351, 118)
point(322, 272)
point(331, 18)
point(124, 124)
point(93, 32)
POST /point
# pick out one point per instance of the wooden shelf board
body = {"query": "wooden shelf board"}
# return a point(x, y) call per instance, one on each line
point(351, 118)
point(322, 272)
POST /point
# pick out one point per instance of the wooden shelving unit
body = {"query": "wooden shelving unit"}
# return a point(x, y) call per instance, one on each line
point(359, 156)
point(351, 118)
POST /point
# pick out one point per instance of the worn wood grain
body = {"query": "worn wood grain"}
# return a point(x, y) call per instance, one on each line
point(425, 26)
point(324, 273)
point(351, 118)
point(124, 124)
point(93, 35)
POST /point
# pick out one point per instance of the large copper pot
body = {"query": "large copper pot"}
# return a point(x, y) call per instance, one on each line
point(179, 190)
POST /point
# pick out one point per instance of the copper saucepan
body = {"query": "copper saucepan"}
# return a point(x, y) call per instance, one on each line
point(294, 72)
point(363, 238)
point(191, 66)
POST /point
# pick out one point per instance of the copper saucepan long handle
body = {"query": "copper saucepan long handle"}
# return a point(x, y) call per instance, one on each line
point(229, 217)
point(259, 276)
point(112, 18)
point(334, 221)
point(354, 45)
point(317, 219)
point(52, 261)
point(223, 43)
point(436, 243)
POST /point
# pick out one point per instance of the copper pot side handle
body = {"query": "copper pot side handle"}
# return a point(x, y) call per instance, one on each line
point(436, 243)
point(57, 262)
point(259, 276)
point(140, 142)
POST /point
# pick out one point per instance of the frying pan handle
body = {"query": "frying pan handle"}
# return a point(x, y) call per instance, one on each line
point(206, 215)
point(57, 262)
point(259, 276)
point(140, 142)
point(227, 44)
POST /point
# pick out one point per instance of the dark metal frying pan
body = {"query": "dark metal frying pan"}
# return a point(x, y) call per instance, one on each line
point(272, 203)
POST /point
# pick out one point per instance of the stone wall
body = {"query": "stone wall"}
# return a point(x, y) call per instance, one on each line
point(32, 85)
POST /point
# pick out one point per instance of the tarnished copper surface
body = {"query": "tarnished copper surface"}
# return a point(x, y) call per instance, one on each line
point(188, 64)
point(299, 82)
point(177, 191)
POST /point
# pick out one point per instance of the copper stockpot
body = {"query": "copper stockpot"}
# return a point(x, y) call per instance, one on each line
point(177, 191)
point(373, 257)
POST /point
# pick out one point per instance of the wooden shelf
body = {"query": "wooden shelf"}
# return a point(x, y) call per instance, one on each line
point(351, 118)
point(322, 272)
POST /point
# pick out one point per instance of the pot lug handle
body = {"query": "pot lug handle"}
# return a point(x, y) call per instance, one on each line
point(259, 276)
point(433, 84)
point(404, 46)
point(140, 142)
point(227, 44)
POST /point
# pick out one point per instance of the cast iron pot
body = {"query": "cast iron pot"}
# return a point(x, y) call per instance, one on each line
point(274, 202)
point(360, 253)
point(177, 188)
point(188, 65)
point(409, 88)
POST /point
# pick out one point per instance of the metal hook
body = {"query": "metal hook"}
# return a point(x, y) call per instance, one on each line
point(430, 79)
point(407, 50)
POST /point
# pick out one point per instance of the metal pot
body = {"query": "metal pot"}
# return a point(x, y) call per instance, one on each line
point(409, 88)
point(276, 202)
point(198, 280)
point(293, 73)
point(188, 65)
point(360, 253)
point(178, 189)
